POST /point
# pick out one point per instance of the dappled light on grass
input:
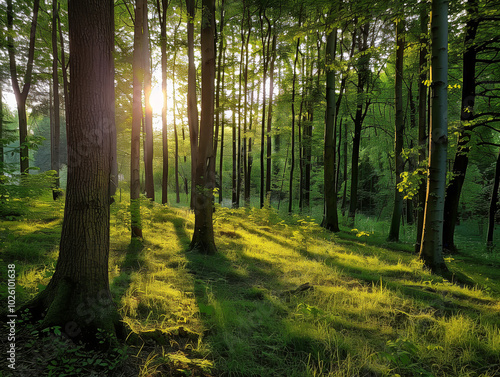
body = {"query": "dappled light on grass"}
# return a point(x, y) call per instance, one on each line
point(282, 297)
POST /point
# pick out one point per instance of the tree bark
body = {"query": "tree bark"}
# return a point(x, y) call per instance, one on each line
point(203, 236)
point(192, 108)
point(466, 117)
point(330, 216)
point(22, 95)
point(432, 234)
point(77, 297)
point(135, 153)
point(399, 129)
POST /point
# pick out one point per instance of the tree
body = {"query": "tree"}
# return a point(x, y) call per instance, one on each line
point(399, 129)
point(203, 236)
point(22, 95)
point(77, 297)
point(135, 153)
point(330, 217)
point(461, 160)
point(192, 108)
point(56, 126)
point(432, 233)
point(162, 14)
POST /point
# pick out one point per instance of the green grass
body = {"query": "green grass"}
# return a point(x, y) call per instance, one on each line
point(369, 309)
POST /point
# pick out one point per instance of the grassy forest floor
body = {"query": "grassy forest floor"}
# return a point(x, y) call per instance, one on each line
point(282, 297)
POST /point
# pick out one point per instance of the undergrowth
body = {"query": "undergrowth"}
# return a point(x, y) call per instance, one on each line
point(282, 297)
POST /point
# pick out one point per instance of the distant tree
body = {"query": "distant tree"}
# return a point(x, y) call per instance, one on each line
point(432, 233)
point(22, 94)
point(203, 236)
point(135, 159)
point(77, 297)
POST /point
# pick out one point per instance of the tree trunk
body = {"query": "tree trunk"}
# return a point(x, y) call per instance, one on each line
point(162, 13)
point(192, 108)
point(270, 118)
point(135, 153)
point(422, 119)
point(292, 146)
point(399, 130)
point(203, 236)
point(363, 72)
point(466, 117)
point(77, 297)
point(22, 95)
point(148, 119)
point(55, 136)
point(219, 87)
point(493, 206)
point(432, 234)
point(330, 216)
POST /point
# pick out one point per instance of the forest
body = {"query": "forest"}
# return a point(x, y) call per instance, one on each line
point(250, 188)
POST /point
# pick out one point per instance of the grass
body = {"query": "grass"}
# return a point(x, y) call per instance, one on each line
point(282, 297)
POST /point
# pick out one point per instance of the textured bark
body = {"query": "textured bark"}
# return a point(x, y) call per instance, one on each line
point(432, 233)
point(22, 95)
point(399, 129)
point(466, 117)
point(330, 217)
point(203, 236)
point(78, 298)
point(218, 91)
point(135, 153)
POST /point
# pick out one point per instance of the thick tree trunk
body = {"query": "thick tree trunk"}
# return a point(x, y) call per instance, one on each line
point(22, 95)
point(78, 298)
point(422, 119)
point(432, 234)
point(466, 117)
point(192, 108)
point(330, 217)
point(203, 236)
point(135, 153)
point(399, 129)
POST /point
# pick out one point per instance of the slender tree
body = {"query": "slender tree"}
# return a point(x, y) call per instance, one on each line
point(135, 159)
point(432, 233)
point(461, 160)
point(77, 297)
point(56, 125)
point(22, 94)
point(399, 129)
point(493, 205)
point(192, 108)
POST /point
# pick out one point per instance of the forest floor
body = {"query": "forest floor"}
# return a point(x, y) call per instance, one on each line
point(282, 297)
